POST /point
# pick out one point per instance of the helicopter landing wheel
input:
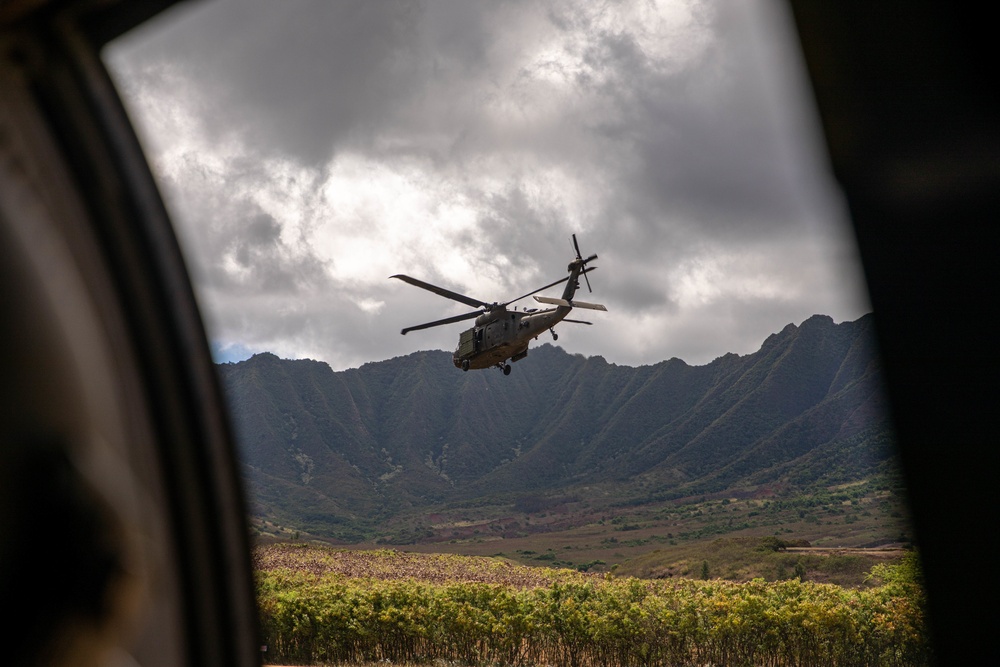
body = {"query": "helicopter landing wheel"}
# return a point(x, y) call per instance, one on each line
point(506, 369)
point(465, 365)
point(555, 336)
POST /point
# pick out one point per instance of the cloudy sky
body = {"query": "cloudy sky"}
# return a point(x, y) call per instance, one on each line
point(309, 149)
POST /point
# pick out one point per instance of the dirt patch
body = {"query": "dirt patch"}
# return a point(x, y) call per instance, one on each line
point(888, 552)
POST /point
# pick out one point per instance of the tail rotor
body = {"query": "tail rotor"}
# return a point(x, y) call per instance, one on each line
point(579, 258)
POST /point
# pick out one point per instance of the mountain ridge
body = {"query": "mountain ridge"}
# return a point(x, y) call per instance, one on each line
point(329, 450)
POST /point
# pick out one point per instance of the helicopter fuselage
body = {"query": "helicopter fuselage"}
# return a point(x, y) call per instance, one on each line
point(500, 334)
point(503, 334)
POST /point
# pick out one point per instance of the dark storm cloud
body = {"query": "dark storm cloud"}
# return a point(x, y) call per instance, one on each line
point(294, 78)
point(236, 246)
point(533, 241)
point(697, 147)
point(264, 263)
point(666, 141)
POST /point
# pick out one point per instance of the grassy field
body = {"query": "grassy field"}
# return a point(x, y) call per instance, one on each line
point(407, 592)
point(321, 605)
point(832, 535)
point(392, 565)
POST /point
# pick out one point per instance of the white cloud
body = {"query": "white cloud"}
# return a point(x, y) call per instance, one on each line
point(310, 151)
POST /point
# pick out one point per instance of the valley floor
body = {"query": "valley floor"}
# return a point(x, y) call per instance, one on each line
point(833, 535)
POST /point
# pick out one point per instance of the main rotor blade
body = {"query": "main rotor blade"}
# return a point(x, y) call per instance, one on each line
point(447, 320)
point(448, 294)
point(561, 280)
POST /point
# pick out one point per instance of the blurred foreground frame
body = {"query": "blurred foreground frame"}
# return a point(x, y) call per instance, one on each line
point(117, 468)
point(122, 523)
point(908, 99)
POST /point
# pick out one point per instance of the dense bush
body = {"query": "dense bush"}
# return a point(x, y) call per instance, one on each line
point(314, 619)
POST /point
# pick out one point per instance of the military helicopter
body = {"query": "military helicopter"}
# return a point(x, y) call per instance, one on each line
point(500, 334)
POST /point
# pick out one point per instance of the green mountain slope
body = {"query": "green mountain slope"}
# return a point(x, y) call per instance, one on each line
point(340, 453)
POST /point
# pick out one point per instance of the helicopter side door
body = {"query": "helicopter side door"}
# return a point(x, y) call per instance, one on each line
point(497, 333)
